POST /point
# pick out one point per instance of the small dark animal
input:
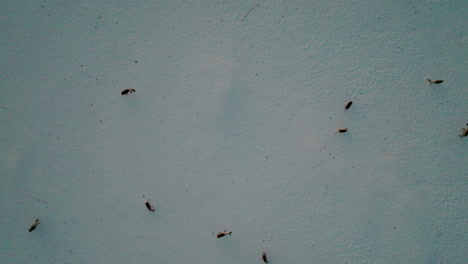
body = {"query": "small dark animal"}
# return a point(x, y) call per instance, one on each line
point(348, 105)
point(149, 206)
point(127, 91)
point(33, 226)
point(221, 234)
point(341, 130)
point(264, 257)
point(465, 133)
point(435, 81)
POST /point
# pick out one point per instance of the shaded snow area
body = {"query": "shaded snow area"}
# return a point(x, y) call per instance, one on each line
point(233, 127)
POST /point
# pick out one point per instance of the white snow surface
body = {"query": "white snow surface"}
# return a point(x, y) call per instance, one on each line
point(232, 127)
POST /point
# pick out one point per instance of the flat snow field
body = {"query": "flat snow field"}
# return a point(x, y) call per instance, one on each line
point(233, 127)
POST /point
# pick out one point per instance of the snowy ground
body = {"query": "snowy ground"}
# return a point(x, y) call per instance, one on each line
point(232, 126)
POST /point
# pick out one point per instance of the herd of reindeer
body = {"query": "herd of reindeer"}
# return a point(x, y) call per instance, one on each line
point(151, 208)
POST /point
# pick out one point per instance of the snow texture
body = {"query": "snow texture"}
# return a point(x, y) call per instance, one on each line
point(232, 126)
